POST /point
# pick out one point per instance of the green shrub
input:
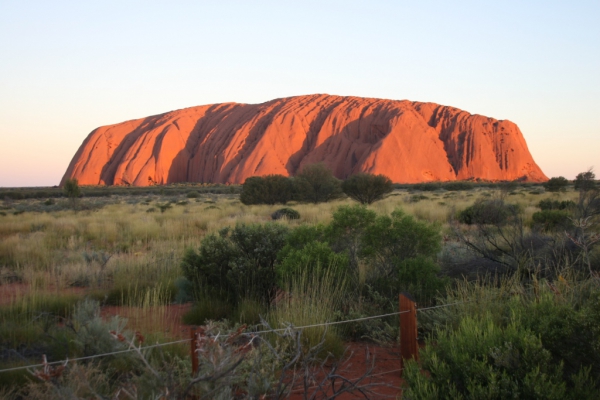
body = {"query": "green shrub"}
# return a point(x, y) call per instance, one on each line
point(419, 276)
point(286, 212)
point(208, 308)
point(484, 361)
point(427, 186)
point(237, 263)
point(556, 184)
point(316, 184)
point(401, 251)
point(571, 334)
point(163, 207)
point(458, 186)
point(551, 220)
point(347, 229)
point(270, 189)
point(193, 194)
point(367, 188)
point(71, 188)
point(556, 205)
point(314, 258)
point(487, 212)
point(415, 198)
point(585, 181)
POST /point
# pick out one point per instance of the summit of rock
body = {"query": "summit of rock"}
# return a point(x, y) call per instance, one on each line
point(407, 141)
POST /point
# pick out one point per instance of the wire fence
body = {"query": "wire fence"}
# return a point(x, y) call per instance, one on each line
point(223, 336)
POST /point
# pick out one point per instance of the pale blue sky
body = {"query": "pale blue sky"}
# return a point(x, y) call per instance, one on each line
point(69, 67)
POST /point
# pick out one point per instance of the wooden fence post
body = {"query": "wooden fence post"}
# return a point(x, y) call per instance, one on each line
point(194, 352)
point(409, 346)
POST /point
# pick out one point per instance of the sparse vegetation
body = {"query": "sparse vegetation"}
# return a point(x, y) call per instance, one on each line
point(524, 265)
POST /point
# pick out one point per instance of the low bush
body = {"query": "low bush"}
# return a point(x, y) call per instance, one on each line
point(483, 360)
point(551, 220)
point(549, 204)
point(487, 212)
point(270, 189)
point(556, 184)
point(458, 186)
point(316, 184)
point(313, 258)
point(237, 263)
point(288, 213)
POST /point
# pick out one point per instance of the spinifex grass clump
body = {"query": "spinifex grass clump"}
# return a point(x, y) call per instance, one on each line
point(312, 299)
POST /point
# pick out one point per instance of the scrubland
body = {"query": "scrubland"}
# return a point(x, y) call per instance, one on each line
point(527, 323)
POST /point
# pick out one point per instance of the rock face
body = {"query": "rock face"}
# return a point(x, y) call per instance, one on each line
point(226, 143)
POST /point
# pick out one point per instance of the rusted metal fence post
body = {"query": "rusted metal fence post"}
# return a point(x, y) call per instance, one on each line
point(194, 351)
point(409, 346)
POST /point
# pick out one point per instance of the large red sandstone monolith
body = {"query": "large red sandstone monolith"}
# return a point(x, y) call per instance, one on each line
point(226, 143)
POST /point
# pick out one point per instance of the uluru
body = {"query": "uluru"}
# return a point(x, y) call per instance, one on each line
point(407, 141)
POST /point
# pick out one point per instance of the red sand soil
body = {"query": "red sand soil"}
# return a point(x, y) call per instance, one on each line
point(385, 375)
point(226, 143)
point(171, 324)
point(9, 292)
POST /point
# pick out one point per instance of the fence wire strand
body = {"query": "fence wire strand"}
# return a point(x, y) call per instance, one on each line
point(247, 333)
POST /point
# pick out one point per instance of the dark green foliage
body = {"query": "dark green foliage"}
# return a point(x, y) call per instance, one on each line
point(571, 334)
point(481, 360)
point(49, 202)
point(458, 185)
point(193, 194)
point(419, 276)
point(286, 212)
point(551, 220)
point(534, 340)
point(557, 184)
point(298, 237)
point(402, 250)
point(399, 249)
point(492, 212)
point(584, 181)
point(163, 207)
point(556, 205)
point(427, 186)
point(347, 230)
point(367, 188)
point(399, 237)
point(270, 189)
point(316, 184)
point(185, 290)
point(316, 257)
point(71, 188)
point(208, 309)
point(237, 263)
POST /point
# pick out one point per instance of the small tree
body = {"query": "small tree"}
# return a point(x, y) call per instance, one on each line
point(557, 184)
point(318, 184)
point(367, 188)
point(72, 190)
point(270, 189)
point(585, 181)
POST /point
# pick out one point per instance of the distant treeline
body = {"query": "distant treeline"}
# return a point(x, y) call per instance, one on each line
point(217, 188)
point(107, 191)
